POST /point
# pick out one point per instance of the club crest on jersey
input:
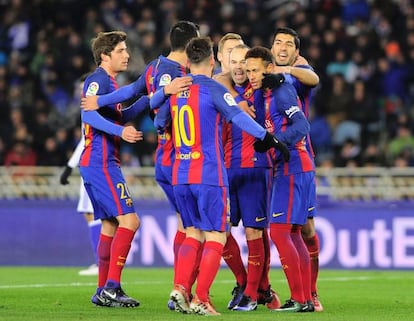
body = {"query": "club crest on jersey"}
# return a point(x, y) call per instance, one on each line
point(165, 80)
point(128, 202)
point(92, 89)
point(229, 99)
point(248, 93)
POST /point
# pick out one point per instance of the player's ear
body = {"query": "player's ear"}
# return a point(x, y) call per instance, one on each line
point(219, 56)
point(212, 61)
point(269, 68)
point(104, 57)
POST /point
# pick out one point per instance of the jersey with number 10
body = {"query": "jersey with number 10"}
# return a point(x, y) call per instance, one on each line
point(197, 117)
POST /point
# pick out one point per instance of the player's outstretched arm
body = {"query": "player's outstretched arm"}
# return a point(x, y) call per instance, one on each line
point(304, 74)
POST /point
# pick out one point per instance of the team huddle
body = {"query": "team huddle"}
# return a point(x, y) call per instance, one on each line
point(233, 147)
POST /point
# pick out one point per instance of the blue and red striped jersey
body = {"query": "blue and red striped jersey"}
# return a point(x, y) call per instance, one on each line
point(305, 96)
point(238, 144)
point(285, 119)
point(161, 72)
point(197, 116)
point(101, 148)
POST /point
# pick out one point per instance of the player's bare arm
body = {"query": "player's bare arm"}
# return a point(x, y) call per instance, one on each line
point(305, 76)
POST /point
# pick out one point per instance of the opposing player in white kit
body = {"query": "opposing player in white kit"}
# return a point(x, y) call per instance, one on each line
point(85, 207)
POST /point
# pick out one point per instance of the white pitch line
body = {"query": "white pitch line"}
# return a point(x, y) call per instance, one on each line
point(82, 284)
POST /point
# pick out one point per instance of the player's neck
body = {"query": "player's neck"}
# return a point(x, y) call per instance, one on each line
point(178, 56)
point(201, 70)
point(109, 71)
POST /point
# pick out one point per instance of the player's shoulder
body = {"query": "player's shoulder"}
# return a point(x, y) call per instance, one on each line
point(168, 65)
point(96, 82)
point(285, 91)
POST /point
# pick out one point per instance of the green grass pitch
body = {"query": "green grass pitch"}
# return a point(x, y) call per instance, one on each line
point(58, 293)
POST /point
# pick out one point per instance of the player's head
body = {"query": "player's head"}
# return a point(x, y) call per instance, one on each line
point(181, 33)
point(104, 44)
point(237, 64)
point(259, 60)
point(285, 47)
point(225, 45)
point(200, 52)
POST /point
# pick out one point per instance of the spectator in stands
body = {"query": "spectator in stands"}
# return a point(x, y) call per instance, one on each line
point(43, 38)
point(402, 146)
point(20, 154)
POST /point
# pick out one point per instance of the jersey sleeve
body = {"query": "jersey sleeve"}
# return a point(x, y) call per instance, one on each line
point(224, 101)
point(158, 99)
point(94, 86)
point(132, 111)
point(94, 119)
point(135, 89)
point(285, 98)
point(163, 115)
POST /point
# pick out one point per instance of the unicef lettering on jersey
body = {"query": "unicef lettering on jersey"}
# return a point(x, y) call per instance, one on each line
point(188, 156)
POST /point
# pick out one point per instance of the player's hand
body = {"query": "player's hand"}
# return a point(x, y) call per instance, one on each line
point(65, 175)
point(89, 103)
point(270, 141)
point(250, 110)
point(177, 85)
point(272, 81)
point(131, 135)
point(300, 60)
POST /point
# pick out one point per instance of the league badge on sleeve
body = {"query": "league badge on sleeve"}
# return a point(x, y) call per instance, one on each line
point(92, 89)
point(229, 99)
point(165, 79)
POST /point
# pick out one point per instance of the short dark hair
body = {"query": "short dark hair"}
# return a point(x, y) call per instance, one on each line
point(199, 49)
point(181, 33)
point(105, 43)
point(289, 31)
point(261, 52)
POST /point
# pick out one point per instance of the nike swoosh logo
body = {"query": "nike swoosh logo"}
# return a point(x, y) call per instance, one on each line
point(277, 214)
point(311, 208)
point(111, 295)
point(260, 219)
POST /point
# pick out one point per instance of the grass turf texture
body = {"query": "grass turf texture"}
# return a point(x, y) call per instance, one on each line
point(58, 293)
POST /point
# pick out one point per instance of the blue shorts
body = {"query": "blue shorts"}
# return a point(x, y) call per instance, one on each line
point(290, 198)
point(108, 191)
point(163, 176)
point(312, 199)
point(205, 207)
point(249, 196)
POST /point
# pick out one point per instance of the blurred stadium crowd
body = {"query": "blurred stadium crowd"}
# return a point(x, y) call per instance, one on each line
point(363, 51)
